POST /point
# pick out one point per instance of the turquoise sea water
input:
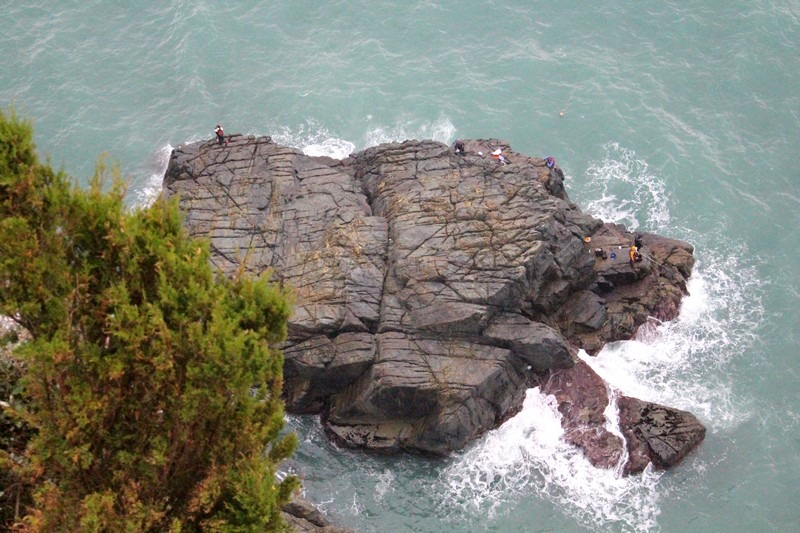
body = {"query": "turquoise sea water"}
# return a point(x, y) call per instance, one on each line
point(681, 118)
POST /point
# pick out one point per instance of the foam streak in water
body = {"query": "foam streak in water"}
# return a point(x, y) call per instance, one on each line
point(622, 186)
point(611, 413)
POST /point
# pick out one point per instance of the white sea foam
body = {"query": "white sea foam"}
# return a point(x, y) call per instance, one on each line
point(314, 140)
point(611, 414)
point(686, 363)
point(317, 140)
point(624, 190)
point(385, 484)
point(527, 455)
point(144, 194)
point(441, 130)
point(331, 147)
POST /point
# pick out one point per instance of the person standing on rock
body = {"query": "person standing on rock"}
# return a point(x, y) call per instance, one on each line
point(220, 134)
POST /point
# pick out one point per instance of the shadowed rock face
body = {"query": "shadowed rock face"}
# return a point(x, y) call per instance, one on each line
point(431, 288)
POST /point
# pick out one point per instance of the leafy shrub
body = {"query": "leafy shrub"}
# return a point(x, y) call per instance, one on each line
point(153, 383)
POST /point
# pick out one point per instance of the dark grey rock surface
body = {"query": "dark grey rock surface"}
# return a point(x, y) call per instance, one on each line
point(431, 288)
point(656, 433)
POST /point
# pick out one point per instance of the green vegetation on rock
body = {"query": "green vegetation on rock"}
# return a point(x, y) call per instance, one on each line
point(152, 384)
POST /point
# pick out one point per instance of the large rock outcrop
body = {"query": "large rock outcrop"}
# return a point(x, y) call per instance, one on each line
point(432, 288)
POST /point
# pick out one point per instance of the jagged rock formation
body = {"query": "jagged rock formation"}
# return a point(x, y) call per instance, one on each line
point(432, 288)
point(301, 516)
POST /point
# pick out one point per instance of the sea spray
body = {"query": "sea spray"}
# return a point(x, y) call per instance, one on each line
point(611, 414)
point(686, 363)
point(147, 184)
point(668, 363)
point(528, 454)
point(314, 140)
point(441, 130)
point(622, 188)
point(145, 190)
point(310, 137)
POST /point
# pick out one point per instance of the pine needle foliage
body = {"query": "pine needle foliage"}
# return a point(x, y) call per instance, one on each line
point(153, 383)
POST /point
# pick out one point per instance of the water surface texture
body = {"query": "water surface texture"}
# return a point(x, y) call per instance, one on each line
point(680, 118)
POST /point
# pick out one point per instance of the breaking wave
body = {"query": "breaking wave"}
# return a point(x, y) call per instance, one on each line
point(621, 188)
point(314, 140)
point(527, 455)
point(686, 364)
point(441, 130)
point(145, 192)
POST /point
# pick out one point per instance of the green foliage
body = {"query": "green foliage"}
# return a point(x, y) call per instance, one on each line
point(153, 383)
point(15, 433)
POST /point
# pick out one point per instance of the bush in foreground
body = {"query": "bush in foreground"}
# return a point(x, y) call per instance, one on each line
point(152, 383)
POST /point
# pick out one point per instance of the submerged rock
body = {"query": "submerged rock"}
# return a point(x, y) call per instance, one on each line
point(432, 288)
point(301, 516)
